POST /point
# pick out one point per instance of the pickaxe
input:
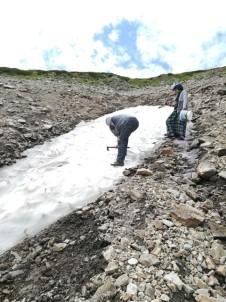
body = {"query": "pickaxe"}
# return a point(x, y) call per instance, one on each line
point(115, 147)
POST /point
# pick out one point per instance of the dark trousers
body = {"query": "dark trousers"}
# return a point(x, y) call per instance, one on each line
point(130, 126)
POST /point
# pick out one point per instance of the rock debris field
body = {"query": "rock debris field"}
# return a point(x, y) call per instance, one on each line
point(159, 235)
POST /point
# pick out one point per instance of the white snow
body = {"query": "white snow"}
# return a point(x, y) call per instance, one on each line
point(70, 171)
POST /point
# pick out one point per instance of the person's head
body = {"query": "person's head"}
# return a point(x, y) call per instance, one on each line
point(176, 87)
point(108, 121)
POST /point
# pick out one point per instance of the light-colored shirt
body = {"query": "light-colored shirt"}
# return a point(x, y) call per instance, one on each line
point(182, 101)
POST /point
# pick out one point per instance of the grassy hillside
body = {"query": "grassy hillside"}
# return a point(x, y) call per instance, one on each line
point(95, 78)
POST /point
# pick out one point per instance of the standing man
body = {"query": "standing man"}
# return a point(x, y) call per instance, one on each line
point(176, 128)
point(122, 125)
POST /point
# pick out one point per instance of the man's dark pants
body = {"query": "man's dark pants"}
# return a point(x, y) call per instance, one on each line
point(130, 126)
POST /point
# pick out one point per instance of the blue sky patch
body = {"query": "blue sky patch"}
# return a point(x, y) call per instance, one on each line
point(49, 56)
point(217, 45)
point(121, 40)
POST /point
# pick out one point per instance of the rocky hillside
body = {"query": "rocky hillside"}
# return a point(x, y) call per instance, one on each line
point(160, 235)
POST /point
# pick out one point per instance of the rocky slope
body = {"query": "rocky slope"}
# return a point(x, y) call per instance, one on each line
point(160, 235)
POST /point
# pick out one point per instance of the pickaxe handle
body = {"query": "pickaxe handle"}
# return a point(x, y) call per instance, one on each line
point(113, 147)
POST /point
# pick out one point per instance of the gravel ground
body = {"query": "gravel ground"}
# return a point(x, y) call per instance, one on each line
point(82, 255)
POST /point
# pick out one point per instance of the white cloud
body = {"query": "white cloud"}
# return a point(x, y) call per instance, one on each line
point(170, 31)
point(113, 36)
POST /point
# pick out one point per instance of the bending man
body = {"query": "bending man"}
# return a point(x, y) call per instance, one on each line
point(122, 126)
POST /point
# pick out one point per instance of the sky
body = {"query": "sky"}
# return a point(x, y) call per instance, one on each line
point(70, 171)
point(136, 39)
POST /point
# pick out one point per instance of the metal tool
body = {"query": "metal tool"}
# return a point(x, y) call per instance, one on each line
point(114, 147)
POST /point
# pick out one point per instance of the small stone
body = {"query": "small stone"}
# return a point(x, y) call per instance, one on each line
point(221, 270)
point(132, 261)
point(58, 247)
